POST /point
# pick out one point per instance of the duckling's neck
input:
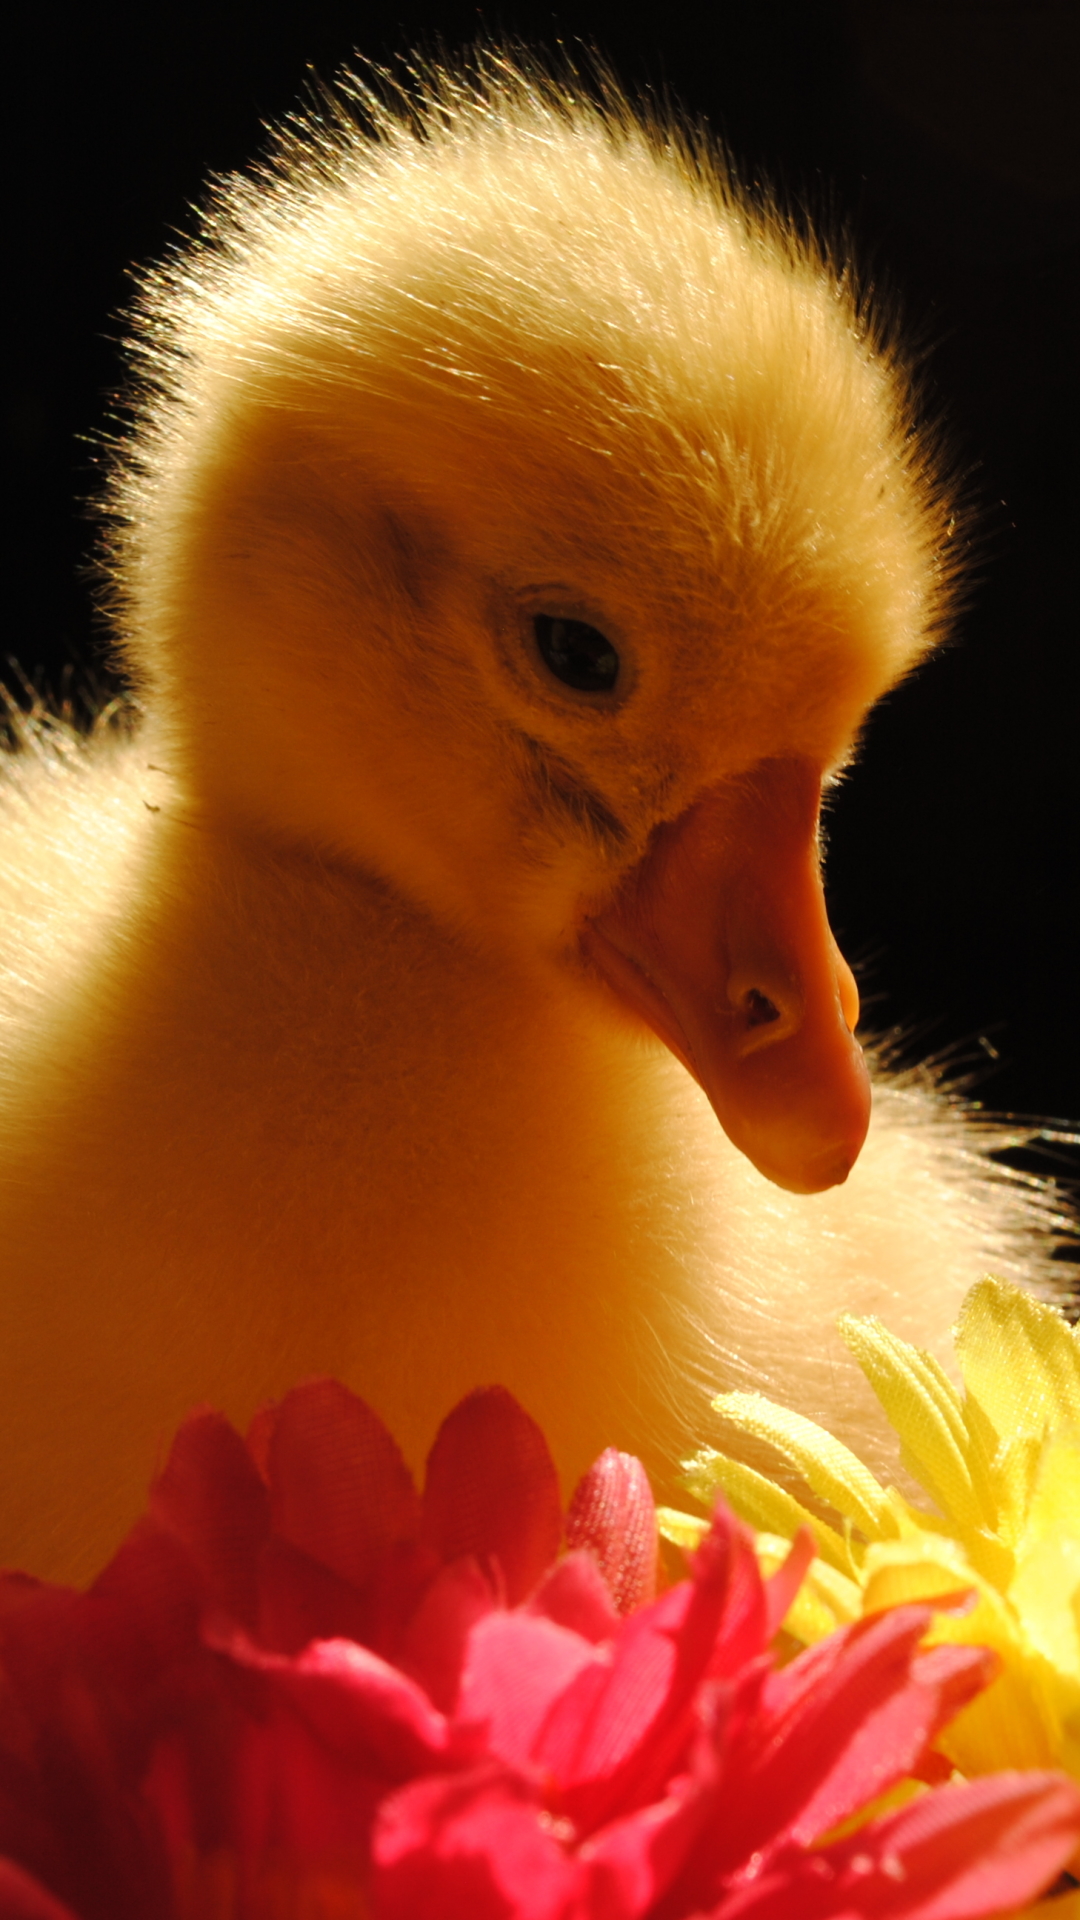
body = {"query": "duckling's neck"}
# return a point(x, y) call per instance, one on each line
point(301, 1128)
point(285, 1124)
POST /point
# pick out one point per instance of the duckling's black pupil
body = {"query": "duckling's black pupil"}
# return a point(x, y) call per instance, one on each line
point(576, 653)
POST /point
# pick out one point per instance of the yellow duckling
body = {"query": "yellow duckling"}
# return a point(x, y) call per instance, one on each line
point(517, 527)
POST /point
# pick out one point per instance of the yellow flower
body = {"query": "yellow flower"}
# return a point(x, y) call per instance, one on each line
point(1001, 1464)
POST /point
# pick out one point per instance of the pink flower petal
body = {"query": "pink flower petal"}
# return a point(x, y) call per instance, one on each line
point(575, 1594)
point(633, 1862)
point(516, 1666)
point(23, 1898)
point(782, 1586)
point(492, 1490)
point(78, 1671)
point(142, 1610)
point(339, 1488)
point(288, 1760)
point(957, 1674)
point(472, 1846)
point(844, 1722)
point(613, 1515)
point(625, 1717)
point(561, 1761)
point(726, 1566)
point(983, 1847)
point(432, 1648)
point(263, 1788)
point(301, 1599)
point(209, 1497)
point(959, 1853)
point(841, 1724)
point(622, 1728)
point(358, 1705)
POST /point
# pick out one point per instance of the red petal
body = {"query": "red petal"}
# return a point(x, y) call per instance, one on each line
point(260, 1786)
point(289, 1759)
point(619, 1732)
point(867, 1723)
point(613, 1514)
point(959, 1853)
point(634, 1861)
point(575, 1594)
point(516, 1666)
point(782, 1586)
point(957, 1673)
point(23, 1898)
point(259, 1435)
point(492, 1490)
point(980, 1848)
point(339, 1488)
point(472, 1847)
point(357, 1706)
point(727, 1564)
point(210, 1498)
point(77, 1670)
point(301, 1600)
point(598, 1738)
point(432, 1648)
point(142, 1610)
point(848, 1719)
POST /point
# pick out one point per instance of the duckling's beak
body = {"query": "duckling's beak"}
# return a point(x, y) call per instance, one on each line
point(720, 941)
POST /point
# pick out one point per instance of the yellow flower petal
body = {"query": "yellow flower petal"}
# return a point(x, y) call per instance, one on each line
point(1008, 1725)
point(833, 1472)
point(897, 1572)
point(826, 1599)
point(1014, 1473)
point(1054, 1505)
point(686, 1530)
point(1046, 1597)
point(1019, 1358)
point(925, 1409)
point(1002, 1465)
point(760, 1502)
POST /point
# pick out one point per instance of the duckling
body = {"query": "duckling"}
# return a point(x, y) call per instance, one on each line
point(434, 985)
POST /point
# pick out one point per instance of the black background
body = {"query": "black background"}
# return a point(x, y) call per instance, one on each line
point(940, 135)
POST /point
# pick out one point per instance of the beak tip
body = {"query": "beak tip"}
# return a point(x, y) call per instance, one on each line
point(831, 1168)
point(828, 1169)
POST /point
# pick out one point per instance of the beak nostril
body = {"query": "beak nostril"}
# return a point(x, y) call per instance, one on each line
point(760, 1011)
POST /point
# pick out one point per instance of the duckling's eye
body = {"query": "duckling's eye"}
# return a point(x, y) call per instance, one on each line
point(576, 653)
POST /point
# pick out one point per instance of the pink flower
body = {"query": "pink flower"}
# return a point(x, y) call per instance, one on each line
point(301, 1688)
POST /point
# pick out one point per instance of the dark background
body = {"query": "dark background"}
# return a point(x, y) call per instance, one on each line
point(942, 136)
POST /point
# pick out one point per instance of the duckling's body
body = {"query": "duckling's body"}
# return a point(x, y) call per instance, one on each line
point(327, 989)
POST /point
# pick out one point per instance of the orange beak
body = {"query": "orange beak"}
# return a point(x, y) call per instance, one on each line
point(720, 941)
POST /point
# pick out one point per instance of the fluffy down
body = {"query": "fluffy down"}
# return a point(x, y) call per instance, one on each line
point(331, 988)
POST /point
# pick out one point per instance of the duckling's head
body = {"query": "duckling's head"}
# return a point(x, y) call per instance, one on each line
point(520, 514)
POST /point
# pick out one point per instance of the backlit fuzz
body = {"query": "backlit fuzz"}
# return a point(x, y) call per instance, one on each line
point(302, 1692)
point(517, 523)
point(1001, 1464)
